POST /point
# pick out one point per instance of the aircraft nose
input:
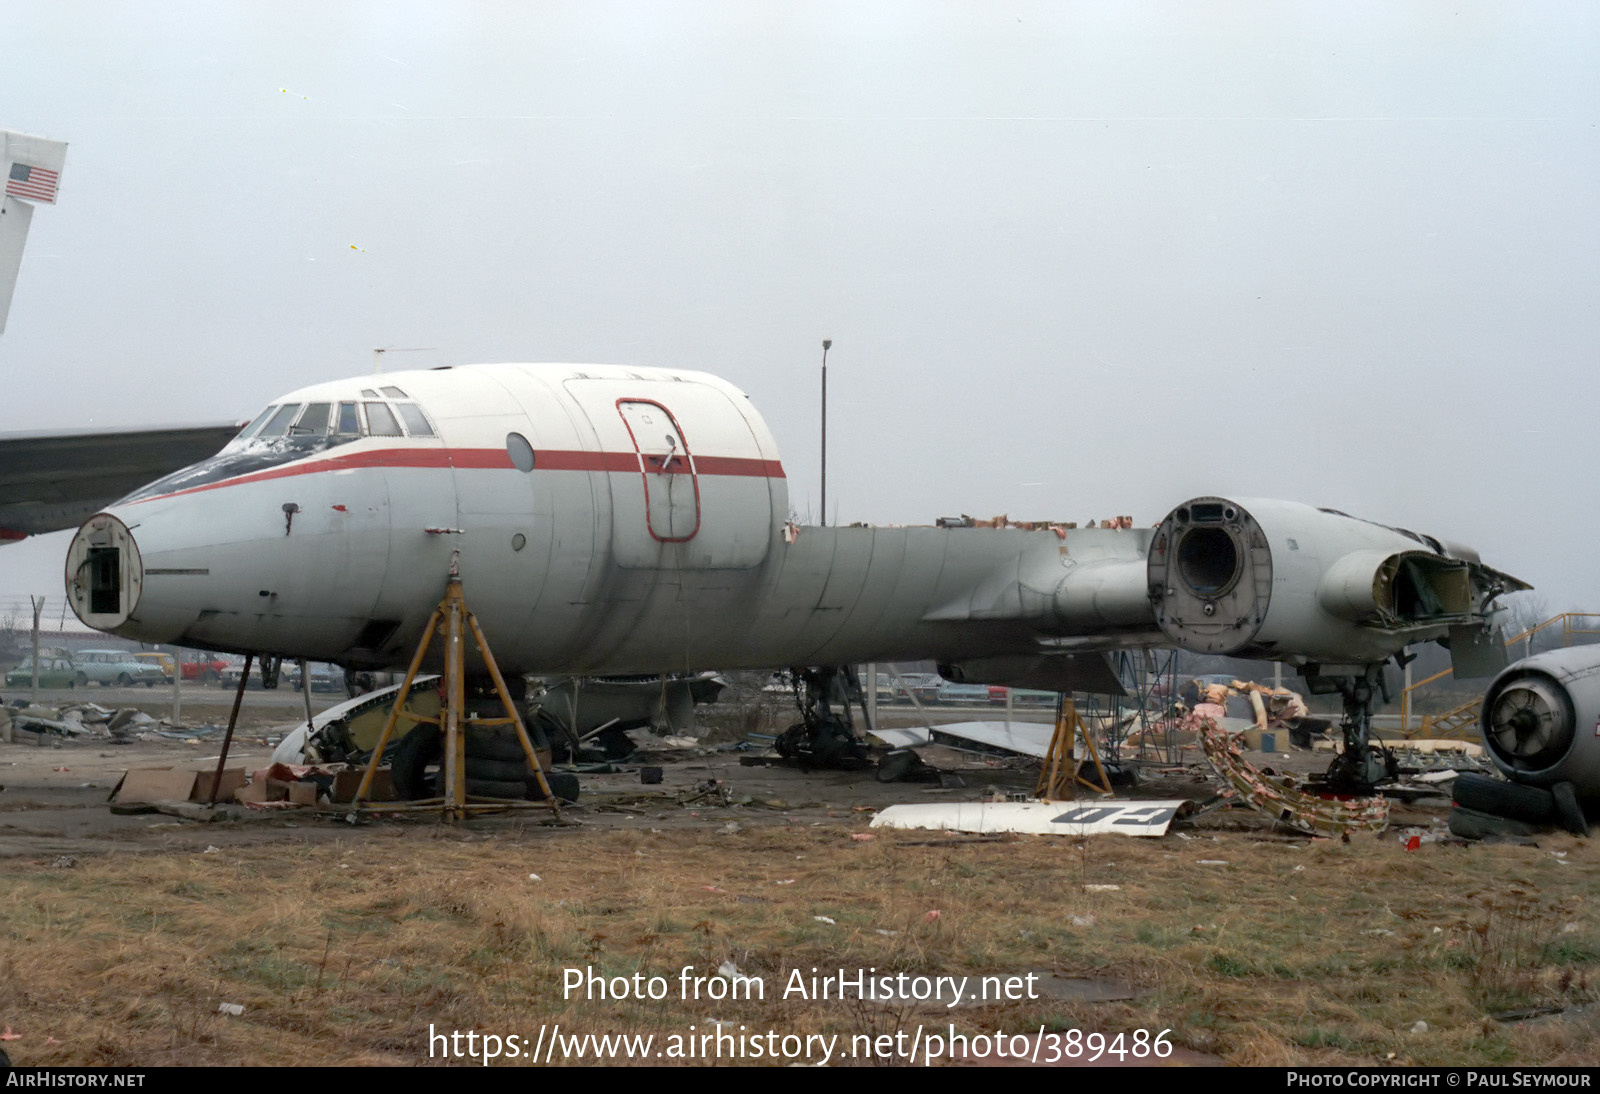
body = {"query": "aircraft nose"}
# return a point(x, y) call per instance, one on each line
point(105, 574)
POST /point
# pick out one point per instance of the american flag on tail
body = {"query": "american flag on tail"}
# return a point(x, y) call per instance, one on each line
point(32, 183)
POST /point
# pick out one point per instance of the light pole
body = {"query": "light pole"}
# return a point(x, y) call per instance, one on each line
point(827, 344)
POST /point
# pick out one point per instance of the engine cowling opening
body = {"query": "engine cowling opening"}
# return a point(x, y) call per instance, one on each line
point(1208, 560)
point(1528, 721)
point(1210, 576)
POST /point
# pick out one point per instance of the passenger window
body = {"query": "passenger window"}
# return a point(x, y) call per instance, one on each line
point(314, 422)
point(416, 424)
point(380, 420)
point(520, 451)
point(278, 424)
point(349, 421)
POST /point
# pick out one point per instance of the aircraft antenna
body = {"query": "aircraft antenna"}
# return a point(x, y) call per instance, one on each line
point(377, 354)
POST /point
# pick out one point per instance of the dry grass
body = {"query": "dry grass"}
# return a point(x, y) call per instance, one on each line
point(347, 952)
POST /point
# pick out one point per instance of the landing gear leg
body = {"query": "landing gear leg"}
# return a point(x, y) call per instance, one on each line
point(825, 736)
point(270, 666)
point(1363, 763)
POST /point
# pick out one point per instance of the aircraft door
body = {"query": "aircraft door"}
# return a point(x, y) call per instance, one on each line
point(671, 488)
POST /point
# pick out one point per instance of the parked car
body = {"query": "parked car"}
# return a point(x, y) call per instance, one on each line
point(54, 672)
point(964, 694)
point(163, 661)
point(324, 677)
point(205, 668)
point(229, 675)
point(110, 668)
point(924, 685)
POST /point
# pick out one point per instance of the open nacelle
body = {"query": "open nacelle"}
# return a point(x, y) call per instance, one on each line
point(1292, 582)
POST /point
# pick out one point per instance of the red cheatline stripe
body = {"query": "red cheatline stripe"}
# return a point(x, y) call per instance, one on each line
point(8, 534)
point(491, 458)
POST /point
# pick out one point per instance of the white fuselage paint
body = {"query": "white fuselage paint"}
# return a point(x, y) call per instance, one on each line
point(648, 537)
point(616, 520)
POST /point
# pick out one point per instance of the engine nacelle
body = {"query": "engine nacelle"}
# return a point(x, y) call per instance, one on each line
point(1541, 720)
point(1289, 581)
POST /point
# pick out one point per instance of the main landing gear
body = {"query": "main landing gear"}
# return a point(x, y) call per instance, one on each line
point(826, 735)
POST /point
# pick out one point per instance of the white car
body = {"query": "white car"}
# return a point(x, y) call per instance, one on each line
point(116, 668)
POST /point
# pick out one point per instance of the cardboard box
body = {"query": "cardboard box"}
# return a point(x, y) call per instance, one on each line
point(303, 793)
point(346, 783)
point(255, 792)
point(154, 784)
point(232, 780)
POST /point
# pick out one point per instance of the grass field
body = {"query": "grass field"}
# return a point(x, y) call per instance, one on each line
point(1276, 952)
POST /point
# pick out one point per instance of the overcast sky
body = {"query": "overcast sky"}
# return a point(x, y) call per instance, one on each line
point(1077, 260)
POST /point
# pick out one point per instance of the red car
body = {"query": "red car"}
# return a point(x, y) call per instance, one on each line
point(207, 668)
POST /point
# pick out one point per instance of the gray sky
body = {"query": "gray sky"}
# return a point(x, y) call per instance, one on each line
point(1077, 259)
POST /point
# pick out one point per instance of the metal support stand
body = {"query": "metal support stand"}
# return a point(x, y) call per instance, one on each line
point(1062, 772)
point(233, 720)
point(453, 720)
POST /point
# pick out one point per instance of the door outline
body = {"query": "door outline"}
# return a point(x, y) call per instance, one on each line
point(669, 465)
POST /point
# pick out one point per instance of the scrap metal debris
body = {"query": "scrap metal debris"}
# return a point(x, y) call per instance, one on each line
point(46, 724)
point(1127, 818)
point(1279, 796)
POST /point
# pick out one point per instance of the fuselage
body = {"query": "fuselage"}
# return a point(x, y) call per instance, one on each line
point(604, 520)
point(630, 520)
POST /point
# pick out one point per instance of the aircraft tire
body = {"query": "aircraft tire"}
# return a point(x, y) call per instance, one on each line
point(896, 765)
point(563, 785)
point(1471, 824)
point(496, 770)
point(409, 760)
point(500, 743)
point(1515, 801)
point(1568, 811)
point(495, 788)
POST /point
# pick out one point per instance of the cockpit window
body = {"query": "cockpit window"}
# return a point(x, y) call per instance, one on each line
point(313, 422)
point(287, 432)
point(278, 424)
point(251, 428)
point(380, 420)
point(416, 424)
point(368, 393)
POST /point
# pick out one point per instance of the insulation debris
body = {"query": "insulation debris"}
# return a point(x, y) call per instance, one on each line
point(1279, 797)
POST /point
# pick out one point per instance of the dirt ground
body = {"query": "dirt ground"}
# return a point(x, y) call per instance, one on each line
point(53, 799)
point(122, 935)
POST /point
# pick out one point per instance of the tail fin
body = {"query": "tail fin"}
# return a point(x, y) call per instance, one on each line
point(31, 167)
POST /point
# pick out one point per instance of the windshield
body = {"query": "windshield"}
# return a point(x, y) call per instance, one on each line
point(286, 432)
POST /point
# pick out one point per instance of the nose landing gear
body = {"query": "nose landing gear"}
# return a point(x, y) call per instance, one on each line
point(1363, 763)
